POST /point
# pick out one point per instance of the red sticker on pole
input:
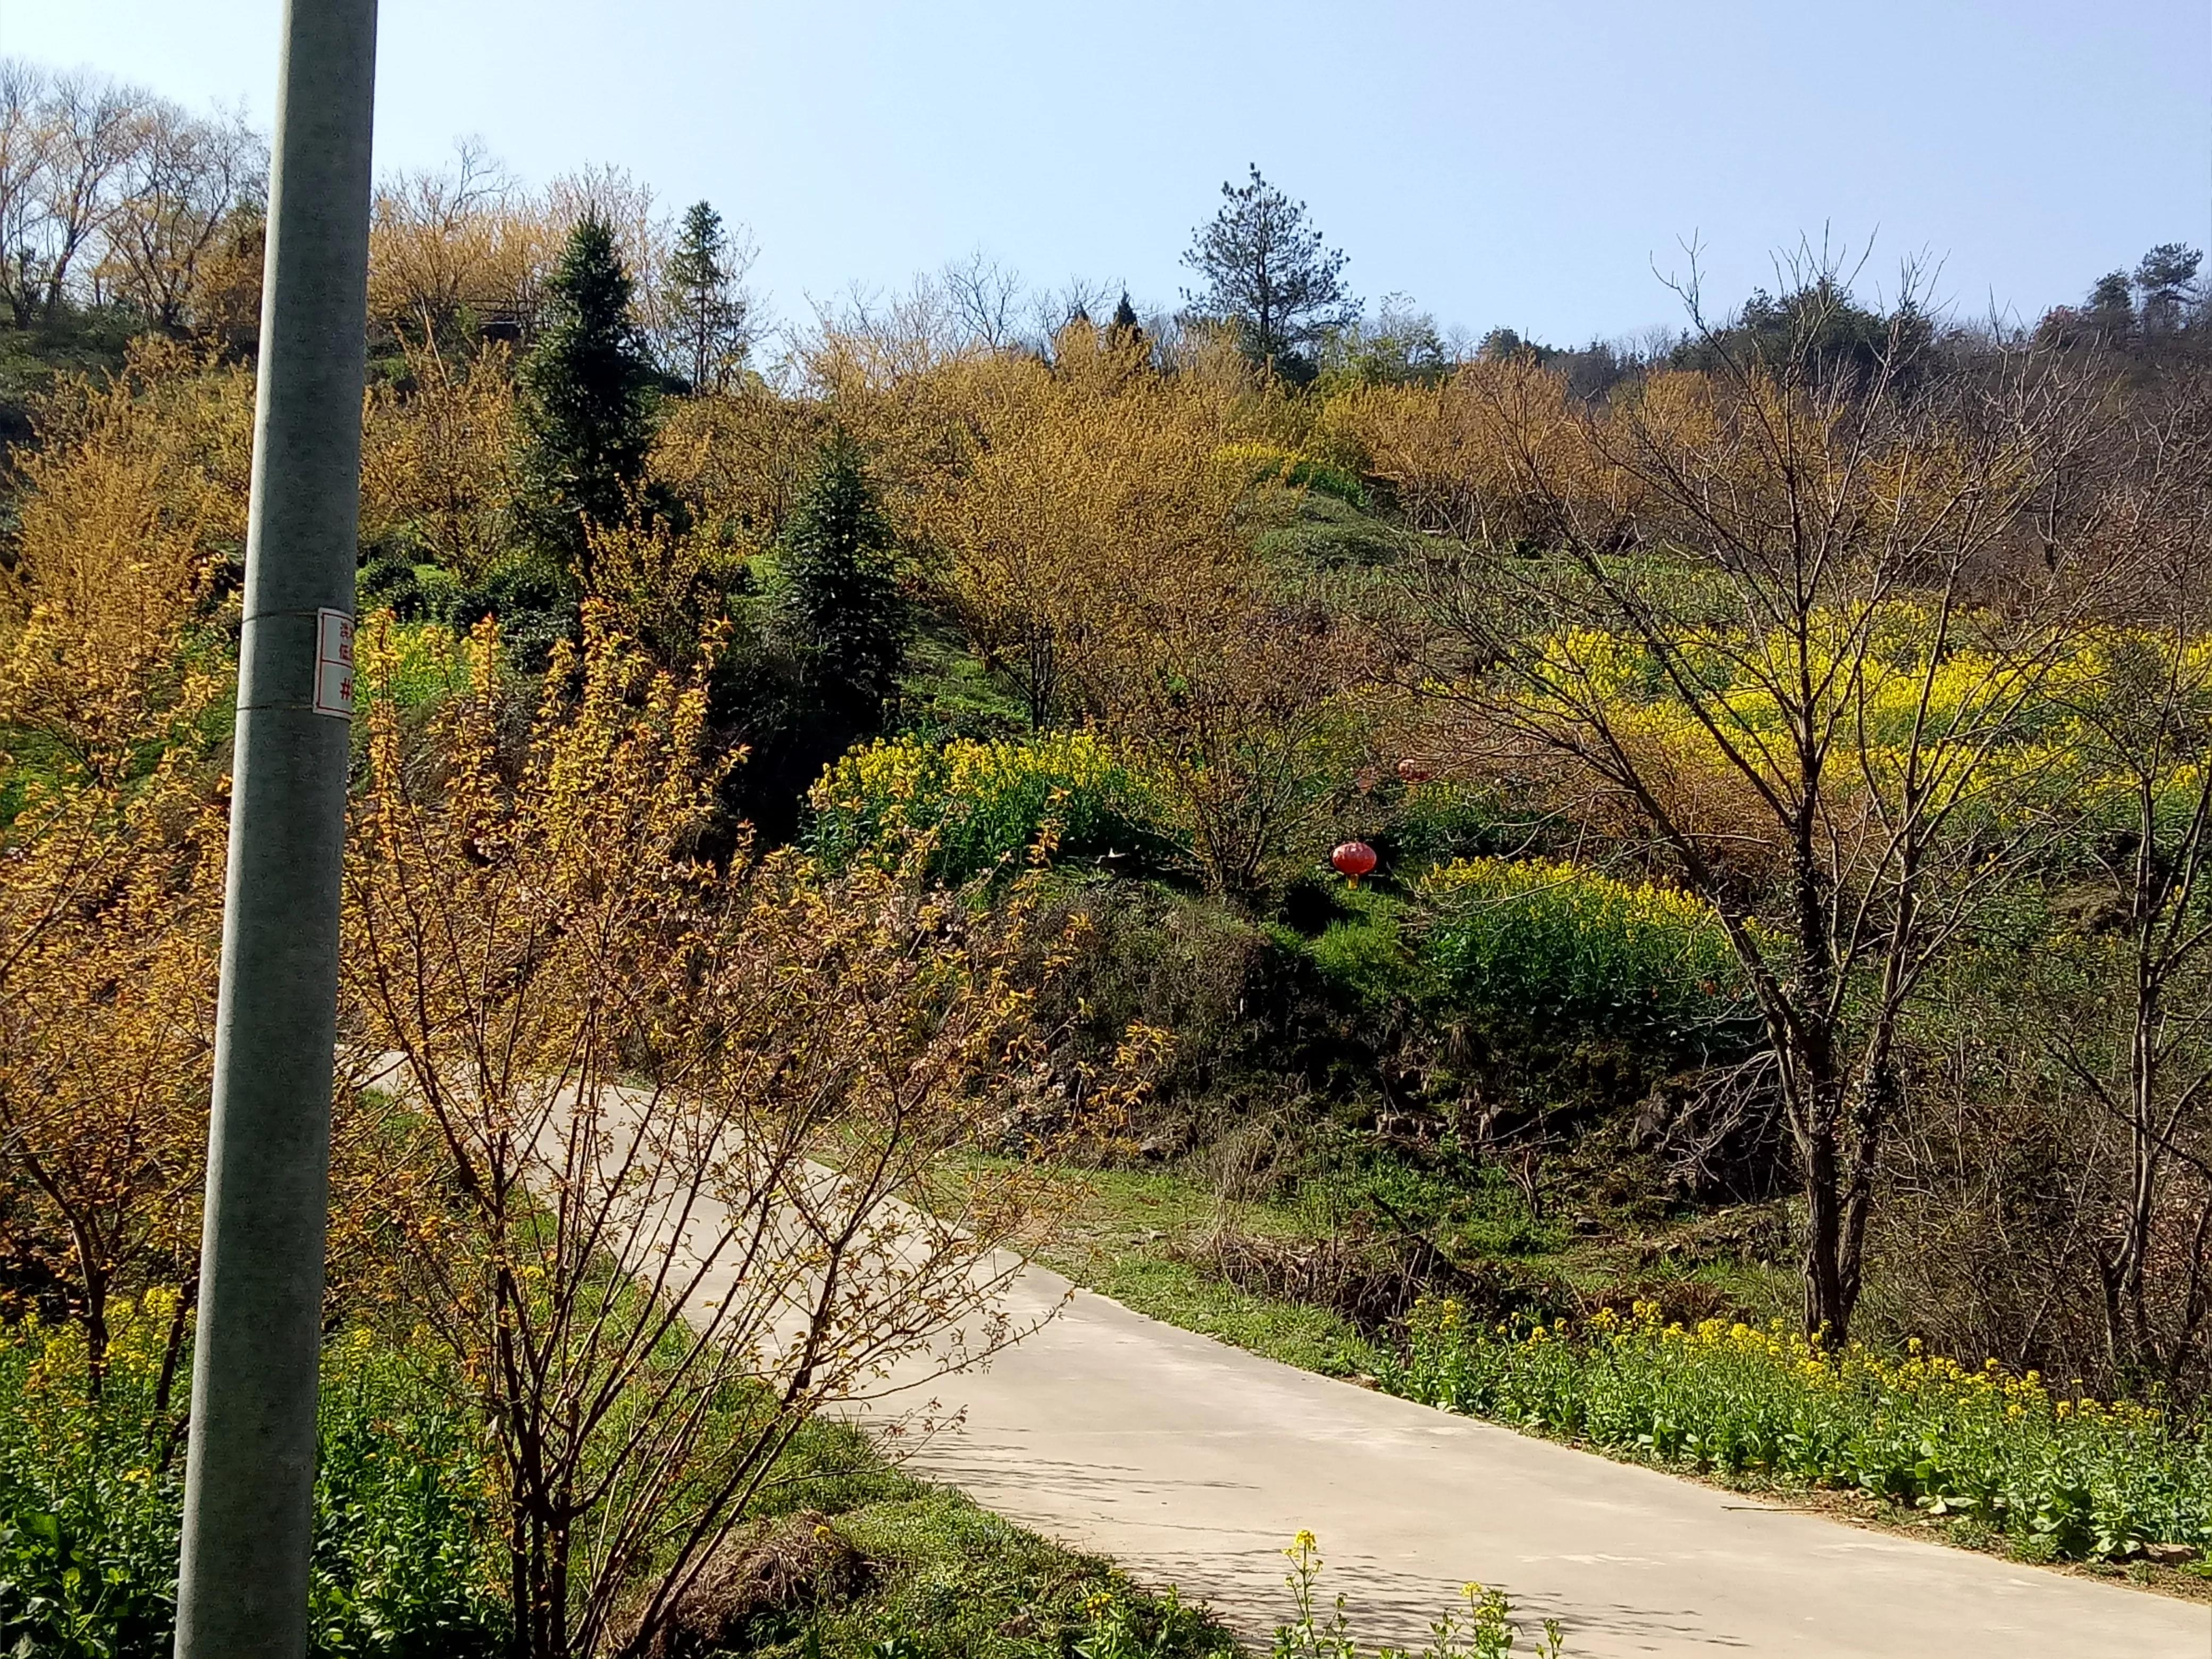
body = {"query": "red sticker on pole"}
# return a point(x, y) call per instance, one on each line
point(334, 664)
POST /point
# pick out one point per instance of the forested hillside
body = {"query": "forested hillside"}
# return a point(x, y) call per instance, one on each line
point(945, 726)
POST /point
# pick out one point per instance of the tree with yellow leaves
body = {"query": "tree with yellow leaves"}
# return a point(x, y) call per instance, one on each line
point(1097, 547)
point(111, 672)
point(438, 478)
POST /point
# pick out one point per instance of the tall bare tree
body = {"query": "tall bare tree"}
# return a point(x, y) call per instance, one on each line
point(98, 131)
point(2138, 803)
point(184, 180)
point(1784, 626)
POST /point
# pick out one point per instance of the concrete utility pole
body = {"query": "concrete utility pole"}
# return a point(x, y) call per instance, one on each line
point(249, 1480)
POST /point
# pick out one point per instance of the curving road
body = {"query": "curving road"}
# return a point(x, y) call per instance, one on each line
point(1193, 1463)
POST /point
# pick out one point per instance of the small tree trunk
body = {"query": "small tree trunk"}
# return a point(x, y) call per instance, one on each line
point(93, 1273)
point(1826, 1309)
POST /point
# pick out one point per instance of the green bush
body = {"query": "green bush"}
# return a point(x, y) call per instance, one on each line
point(1264, 463)
point(983, 805)
point(2066, 1477)
point(1436, 820)
point(1563, 947)
point(91, 1497)
point(1542, 948)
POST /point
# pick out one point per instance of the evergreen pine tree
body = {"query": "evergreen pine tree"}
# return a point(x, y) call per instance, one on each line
point(1124, 324)
point(841, 604)
point(1268, 275)
point(587, 402)
point(2166, 279)
point(2112, 309)
point(708, 316)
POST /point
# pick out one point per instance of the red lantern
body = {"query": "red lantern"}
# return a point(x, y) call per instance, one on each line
point(1352, 860)
point(1415, 771)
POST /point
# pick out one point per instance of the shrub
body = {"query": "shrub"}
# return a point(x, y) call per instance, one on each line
point(2065, 1477)
point(91, 1496)
point(1440, 820)
point(1263, 463)
point(984, 803)
point(1144, 955)
point(1564, 946)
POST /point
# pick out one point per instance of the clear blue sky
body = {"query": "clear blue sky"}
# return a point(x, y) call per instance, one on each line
point(1523, 163)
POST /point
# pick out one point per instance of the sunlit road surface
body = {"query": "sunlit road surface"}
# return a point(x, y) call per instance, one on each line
point(1193, 1463)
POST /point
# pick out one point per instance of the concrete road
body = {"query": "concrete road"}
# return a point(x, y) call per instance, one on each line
point(1194, 1464)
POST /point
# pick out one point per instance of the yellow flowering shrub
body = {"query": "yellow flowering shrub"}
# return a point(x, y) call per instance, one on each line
point(983, 805)
point(1571, 946)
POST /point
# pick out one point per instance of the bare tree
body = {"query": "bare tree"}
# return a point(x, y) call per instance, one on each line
point(985, 298)
point(445, 240)
point(1079, 299)
point(697, 1129)
point(65, 143)
point(184, 180)
point(2139, 805)
point(97, 132)
point(24, 142)
point(1783, 629)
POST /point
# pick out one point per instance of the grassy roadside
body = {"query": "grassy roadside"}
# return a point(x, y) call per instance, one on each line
point(843, 1555)
point(878, 1564)
point(1123, 1236)
point(1137, 1237)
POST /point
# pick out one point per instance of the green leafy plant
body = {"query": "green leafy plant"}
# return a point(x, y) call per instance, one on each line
point(91, 1492)
point(1570, 947)
point(1164, 1629)
point(2065, 1478)
point(984, 804)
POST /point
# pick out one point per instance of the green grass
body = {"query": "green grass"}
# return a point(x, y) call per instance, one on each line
point(947, 1577)
point(406, 1558)
point(1128, 1231)
point(1119, 1239)
point(1176, 1293)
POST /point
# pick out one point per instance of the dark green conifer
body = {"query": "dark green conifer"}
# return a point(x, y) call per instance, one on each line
point(2112, 309)
point(708, 313)
point(841, 604)
point(588, 391)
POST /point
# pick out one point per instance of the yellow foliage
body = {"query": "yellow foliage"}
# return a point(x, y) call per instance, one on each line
point(130, 512)
point(113, 848)
point(702, 1123)
point(1488, 454)
point(739, 457)
point(439, 244)
point(437, 464)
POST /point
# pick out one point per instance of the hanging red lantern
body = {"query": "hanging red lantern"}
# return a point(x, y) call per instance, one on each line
point(1352, 860)
point(1415, 771)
